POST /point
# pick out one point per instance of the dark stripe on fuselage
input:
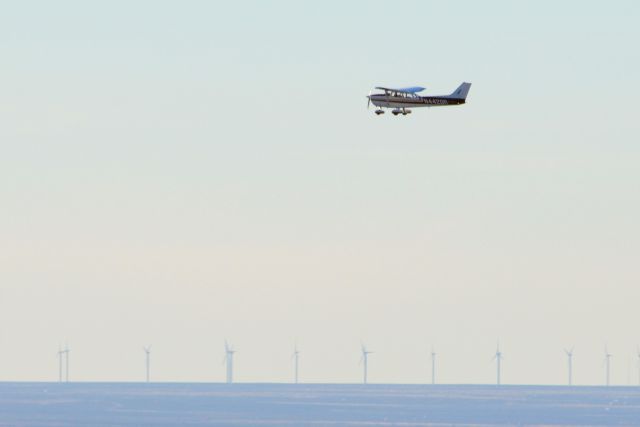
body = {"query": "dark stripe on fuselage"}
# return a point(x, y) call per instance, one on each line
point(423, 100)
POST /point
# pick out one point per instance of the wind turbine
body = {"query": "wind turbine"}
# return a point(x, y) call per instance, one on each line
point(638, 354)
point(364, 360)
point(147, 360)
point(570, 364)
point(228, 358)
point(433, 366)
point(60, 355)
point(296, 357)
point(66, 359)
point(607, 362)
point(498, 358)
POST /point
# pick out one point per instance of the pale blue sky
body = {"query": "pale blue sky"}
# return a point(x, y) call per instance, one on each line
point(174, 173)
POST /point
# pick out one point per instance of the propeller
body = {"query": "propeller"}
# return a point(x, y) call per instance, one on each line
point(607, 355)
point(369, 99)
point(364, 352)
point(228, 350)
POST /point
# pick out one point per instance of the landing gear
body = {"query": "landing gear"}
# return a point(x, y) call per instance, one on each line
point(395, 111)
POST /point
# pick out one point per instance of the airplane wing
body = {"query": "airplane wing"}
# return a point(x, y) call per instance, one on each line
point(413, 89)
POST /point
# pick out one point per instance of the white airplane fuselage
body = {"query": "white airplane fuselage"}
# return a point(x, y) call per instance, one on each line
point(391, 101)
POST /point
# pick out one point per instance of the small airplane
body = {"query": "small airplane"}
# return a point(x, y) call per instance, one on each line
point(401, 100)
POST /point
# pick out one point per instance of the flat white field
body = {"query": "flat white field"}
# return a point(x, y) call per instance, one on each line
point(179, 404)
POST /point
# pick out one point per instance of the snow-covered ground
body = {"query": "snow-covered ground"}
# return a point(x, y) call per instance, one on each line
point(131, 404)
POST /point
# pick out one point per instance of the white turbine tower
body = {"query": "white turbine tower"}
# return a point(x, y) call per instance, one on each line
point(607, 363)
point(498, 358)
point(570, 364)
point(365, 362)
point(60, 355)
point(433, 366)
point(147, 361)
point(296, 358)
point(228, 358)
point(638, 354)
point(66, 359)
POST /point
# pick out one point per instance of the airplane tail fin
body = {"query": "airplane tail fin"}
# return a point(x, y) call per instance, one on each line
point(461, 92)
